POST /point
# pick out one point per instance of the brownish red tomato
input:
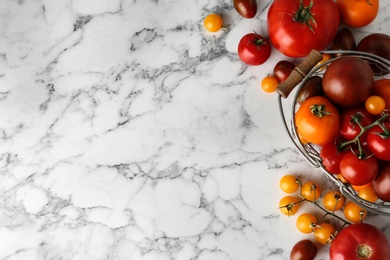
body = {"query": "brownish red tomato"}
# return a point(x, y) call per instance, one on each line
point(378, 44)
point(246, 8)
point(382, 89)
point(381, 184)
point(283, 69)
point(303, 250)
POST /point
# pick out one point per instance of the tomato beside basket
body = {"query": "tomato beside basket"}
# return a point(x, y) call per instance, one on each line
point(288, 106)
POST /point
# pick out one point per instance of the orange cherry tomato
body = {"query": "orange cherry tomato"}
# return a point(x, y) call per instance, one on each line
point(317, 120)
point(213, 22)
point(357, 13)
point(269, 84)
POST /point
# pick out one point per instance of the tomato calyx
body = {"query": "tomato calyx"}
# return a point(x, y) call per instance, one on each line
point(258, 41)
point(303, 15)
point(364, 252)
point(319, 110)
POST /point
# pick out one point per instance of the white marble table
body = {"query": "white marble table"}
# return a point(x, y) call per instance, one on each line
point(128, 132)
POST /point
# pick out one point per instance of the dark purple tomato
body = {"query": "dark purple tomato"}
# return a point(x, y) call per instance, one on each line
point(303, 250)
point(378, 44)
point(282, 70)
point(246, 8)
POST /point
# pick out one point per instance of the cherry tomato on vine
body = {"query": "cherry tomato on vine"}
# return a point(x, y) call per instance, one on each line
point(213, 22)
point(333, 200)
point(305, 222)
point(354, 212)
point(269, 84)
point(288, 205)
point(254, 49)
point(291, 21)
point(357, 13)
point(311, 191)
point(368, 193)
point(349, 120)
point(288, 183)
point(317, 120)
point(331, 156)
point(375, 105)
point(358, 171)
point(323, 233)
point(378, 141)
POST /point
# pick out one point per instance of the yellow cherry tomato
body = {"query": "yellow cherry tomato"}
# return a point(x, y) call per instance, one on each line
point(213, 22)
point(375, 104)
point(333, 200)
point(323, 233)
point(306, 222)
point(288, 183)
point(269, 84)
point(288, 205)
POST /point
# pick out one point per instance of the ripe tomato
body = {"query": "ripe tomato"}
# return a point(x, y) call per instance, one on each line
point(344, 40)
point(348, 81)
point(317, 120)
point(303, 250)
point(288, 183)
point(213, 22)
point(323, 233)
point(381, 184)
point(354, 212)
point(360, 241)
point(333, 200)
point(288, 205)
point(253, 49)
point(298, 26)
point(310, 191)
point(269, 84)
point(312, 87)
point(368, 193)
point(375, 105)
point(357, 13)
point(331, 157)
point(378, 44)
point(246, 8)
point(378, 141)
point(358, 171)
point(283, 69)
point(382, 89)
point(349, 127)
point(306, 222)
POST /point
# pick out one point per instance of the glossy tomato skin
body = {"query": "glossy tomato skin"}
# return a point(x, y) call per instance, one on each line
point(357, 13)
point(348, 81)
point(381, 184)
point(344, 40)
point(296, 39)
point(382, 89)
point(254, 49)
point(303, 250)
point(378, 142)
point(283, 69)
point(350, 242)
point(246, 8)
point(331, 157)
point(358, 171)
point(378, 44)
point(349, 129)
point(317, 128)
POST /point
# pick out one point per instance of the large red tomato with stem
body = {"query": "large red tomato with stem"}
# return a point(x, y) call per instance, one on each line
point(360, 241)
point(298, 26)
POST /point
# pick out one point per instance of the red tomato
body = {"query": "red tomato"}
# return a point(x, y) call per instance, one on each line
point(303, 250)
point(378, 141)
point(246, 8)
point(349, 127)
point(331, 157)
point(360, 241)
point(253, 49)
point(358, 171)
point(382, 89)
point(298, 26)
point(381, 184)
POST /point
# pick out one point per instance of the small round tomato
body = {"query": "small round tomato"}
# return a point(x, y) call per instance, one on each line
point(306, 222)
point(269, 84)
point(303, 250)
point(344, 40)
point(331, 156)
point(378, 44)
point(354, 212)
point(323, 233)
point(357, 13)
point(375, 105)
point(333, 200)
point(310, 191)
point(349, 120)
point(254, 49)
point(368, 193)
point(246, 8)
point(378, 141)
point(288, 183)
point(360, 241)
point(381, 184)
point(317, 120)
point(288, 205)
point(283, 69)
point(213, 22)
point(358, 171)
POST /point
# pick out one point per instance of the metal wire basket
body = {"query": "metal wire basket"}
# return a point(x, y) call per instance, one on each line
point(288, 106)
